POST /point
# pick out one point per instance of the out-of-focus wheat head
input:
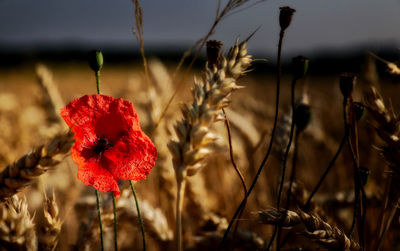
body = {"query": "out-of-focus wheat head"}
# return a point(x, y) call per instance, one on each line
point(387, 125)
point(48, 238)
point(154, 220)
point(310, 226)
point(17, 230)
point(22, 172)
point(210, 94)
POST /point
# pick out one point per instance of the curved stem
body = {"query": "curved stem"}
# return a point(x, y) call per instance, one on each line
point(339, 150)
point(100, 223)
point(139, 215)
point(115, 223)
point(228, 128)
point(260, 168)
point(179, 207)
point(285, 157)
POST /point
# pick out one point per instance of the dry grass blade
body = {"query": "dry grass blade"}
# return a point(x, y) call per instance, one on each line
point(17, 231)
point(22, 172)
point(310, 226)
point(50, 232)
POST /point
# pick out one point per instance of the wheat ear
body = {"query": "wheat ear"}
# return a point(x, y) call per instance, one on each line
point(310, 226)
point(210, 95)
point(50, 232)
point(17, 231)
point(24, 171)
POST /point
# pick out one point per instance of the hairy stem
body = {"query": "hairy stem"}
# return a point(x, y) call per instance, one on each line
point(100, 223)
point(98, 81)
point(139, 215)
point(115, 223)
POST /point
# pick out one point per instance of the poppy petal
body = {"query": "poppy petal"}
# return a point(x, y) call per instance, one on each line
point(92, 174)
point(135, 155)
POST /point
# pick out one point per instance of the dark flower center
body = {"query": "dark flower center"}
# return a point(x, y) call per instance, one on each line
point(102, 145)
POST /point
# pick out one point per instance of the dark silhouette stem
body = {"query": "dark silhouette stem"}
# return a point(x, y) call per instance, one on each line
point(284, 165)
point(321, 180)
point(260, 168)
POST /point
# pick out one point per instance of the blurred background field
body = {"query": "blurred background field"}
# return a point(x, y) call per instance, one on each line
point(337, 38)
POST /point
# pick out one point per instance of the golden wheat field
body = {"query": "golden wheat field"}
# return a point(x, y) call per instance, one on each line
point(214, 128)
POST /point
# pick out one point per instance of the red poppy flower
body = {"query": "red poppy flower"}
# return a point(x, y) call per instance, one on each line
point(109, 144)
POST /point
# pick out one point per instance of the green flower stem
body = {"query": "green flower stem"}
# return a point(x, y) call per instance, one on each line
point(98, 81)
point(115, 224)
point(139, 216)
point(100, 224)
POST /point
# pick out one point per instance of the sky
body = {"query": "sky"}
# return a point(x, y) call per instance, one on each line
point(317, 24)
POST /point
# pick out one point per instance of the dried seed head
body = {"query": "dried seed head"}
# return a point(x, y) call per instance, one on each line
point(96, 60)
point(302, 116)
point(347, 83)
point(299, 67)
point(285, 17)
point(358, 110)
point(213, 50)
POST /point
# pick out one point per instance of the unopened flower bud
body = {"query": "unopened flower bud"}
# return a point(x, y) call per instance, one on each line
point(96, 60)
point(358, 109)
point(299, 67)
point(347, 83)
point(213, 50)
point(285, 16)
point(364, 175)
point(302, 116)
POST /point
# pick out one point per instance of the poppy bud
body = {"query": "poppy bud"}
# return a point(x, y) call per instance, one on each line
point(302, 116)
point(347, 83)
point(213, 50)
point(96, 60)
point(358, 109)
point(285, 16)
point(299, 67)
point(364, 175)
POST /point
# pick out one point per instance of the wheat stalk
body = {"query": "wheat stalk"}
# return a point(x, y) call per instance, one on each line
point(25, 170)
point(210, 95)
point(310, 226)
point(17, 231)
point(50, 232)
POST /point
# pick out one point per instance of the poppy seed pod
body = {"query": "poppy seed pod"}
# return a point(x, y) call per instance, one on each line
point(347, 83)
point(299, 67)
point(364, 175)
point(358, 109)
point(302, 116)
point(285, 16)
point(213, 50)
point(96, 60)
